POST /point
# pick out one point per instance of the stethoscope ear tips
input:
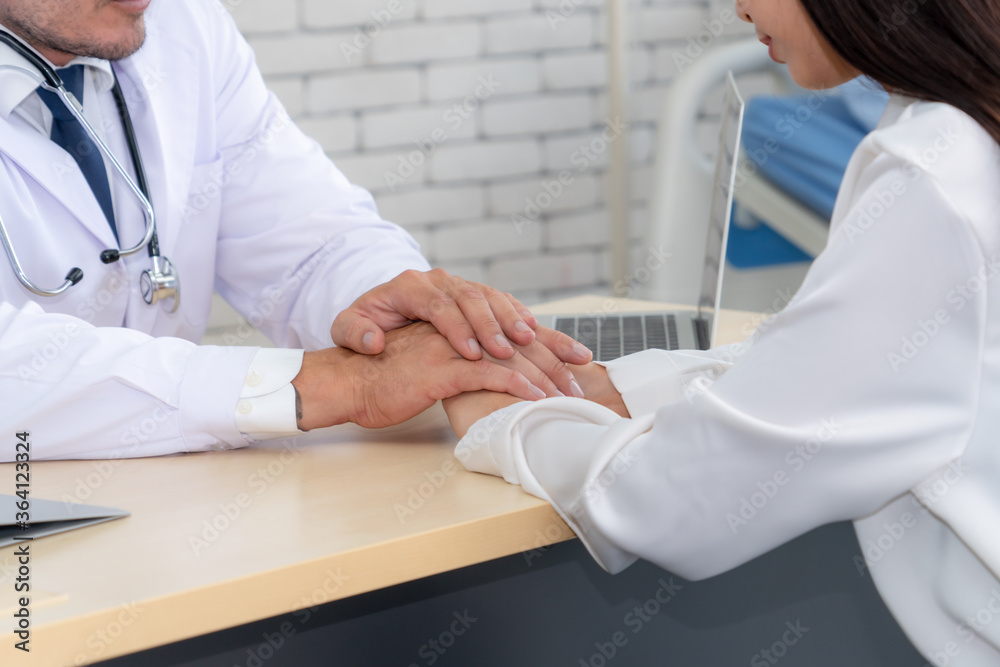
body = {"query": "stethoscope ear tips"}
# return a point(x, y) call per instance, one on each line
point(74, 276)
point(110, 256)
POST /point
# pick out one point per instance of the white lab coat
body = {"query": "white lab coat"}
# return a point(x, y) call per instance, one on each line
point(245, 203)
point(873, 396)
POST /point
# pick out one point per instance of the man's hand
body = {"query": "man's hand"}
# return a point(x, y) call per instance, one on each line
point(417, 368)
point(471, 316)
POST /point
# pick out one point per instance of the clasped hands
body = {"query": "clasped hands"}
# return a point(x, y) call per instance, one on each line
point(425, 337)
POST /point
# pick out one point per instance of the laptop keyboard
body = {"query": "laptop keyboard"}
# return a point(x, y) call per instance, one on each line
point(617, 335)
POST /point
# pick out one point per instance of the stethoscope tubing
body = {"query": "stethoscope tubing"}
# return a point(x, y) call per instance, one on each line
point(74, 107)
point(49, 79)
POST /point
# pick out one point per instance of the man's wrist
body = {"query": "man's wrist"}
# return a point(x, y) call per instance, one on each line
point(298, 407)
point(324, 389)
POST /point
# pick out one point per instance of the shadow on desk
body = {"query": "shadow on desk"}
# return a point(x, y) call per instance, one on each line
point(807, 603)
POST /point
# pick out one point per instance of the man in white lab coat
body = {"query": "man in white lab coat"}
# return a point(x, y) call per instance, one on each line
point(245, 204)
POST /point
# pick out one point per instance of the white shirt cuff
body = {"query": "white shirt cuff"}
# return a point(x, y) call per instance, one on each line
point(266, 408)
point(650, 379)
point(646, 380)
point(569, 437)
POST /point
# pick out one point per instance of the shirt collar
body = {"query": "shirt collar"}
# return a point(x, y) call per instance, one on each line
point(894, 110)
point(15, 87)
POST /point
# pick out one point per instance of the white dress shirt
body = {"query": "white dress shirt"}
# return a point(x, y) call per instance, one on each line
point(873, 396)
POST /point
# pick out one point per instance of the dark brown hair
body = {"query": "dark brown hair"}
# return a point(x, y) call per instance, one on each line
point(937, 50)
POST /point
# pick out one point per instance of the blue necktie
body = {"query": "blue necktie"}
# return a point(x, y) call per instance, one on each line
point(68, 133)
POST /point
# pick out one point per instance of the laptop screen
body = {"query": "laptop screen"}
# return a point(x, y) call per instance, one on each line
point(611, 336)
point(722, 206)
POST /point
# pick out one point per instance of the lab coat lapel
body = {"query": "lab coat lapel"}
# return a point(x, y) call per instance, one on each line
point(162, 104)
point(163, 112)
point(56, 172)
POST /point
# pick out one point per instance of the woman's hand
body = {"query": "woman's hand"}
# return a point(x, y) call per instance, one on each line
point(597, 387)
point(466, 409)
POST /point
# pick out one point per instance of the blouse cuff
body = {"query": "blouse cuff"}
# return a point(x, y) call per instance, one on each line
point(485, 447)
point(646, 380)
point(650, 379)
point(557, 473)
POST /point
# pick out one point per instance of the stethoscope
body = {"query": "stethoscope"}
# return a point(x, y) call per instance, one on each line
point(157, 283)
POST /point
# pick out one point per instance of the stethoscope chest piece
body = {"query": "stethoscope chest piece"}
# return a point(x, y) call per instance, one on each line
point(159, 283)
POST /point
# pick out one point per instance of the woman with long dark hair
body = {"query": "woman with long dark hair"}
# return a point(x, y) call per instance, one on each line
point(873, 396)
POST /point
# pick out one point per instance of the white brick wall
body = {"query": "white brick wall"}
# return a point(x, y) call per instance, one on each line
point(539, 115)
point(362, 89)
point(517, 76)
point(430, 205)
point(533, 33)
point(407, 128)
point(347, 14)
point(435, 9)
point(459, 114)
point(483, 161)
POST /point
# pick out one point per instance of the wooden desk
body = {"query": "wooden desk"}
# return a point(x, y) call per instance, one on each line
point(217, 540)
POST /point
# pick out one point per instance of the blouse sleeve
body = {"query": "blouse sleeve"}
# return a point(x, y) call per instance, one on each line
point(862, 386)
point(651, 378)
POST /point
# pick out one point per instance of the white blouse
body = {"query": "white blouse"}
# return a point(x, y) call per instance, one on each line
point(874, 395)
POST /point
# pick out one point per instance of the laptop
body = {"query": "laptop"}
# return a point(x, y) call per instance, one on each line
point(610, 336)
